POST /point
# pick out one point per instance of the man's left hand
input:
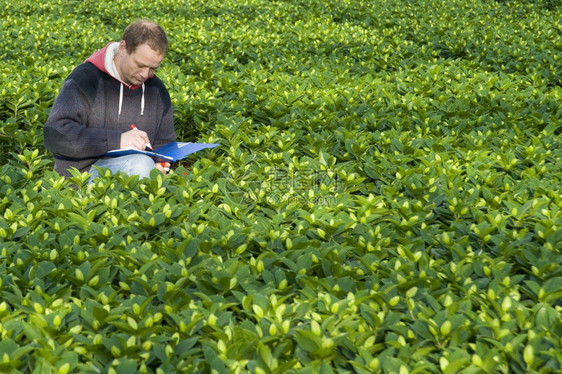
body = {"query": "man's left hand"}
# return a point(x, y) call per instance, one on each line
point(164, 167)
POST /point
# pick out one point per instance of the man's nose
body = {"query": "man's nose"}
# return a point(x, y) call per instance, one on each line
point(145, 73)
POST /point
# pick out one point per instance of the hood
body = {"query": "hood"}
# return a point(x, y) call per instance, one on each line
point(103, 60)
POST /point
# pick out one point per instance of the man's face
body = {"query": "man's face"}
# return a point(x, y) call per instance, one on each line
point(135, 68)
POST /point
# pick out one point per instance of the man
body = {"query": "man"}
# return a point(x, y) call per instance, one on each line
point(112, 101)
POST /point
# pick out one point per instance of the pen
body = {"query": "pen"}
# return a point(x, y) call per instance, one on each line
point(133, 127)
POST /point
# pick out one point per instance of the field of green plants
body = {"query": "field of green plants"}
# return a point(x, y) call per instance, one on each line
point(386, 196)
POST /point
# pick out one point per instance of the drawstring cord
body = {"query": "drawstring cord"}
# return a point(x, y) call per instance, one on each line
point(121, 100)
point(142, 101)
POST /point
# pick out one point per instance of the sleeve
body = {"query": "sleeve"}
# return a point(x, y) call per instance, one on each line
point(165, 132)
point(69, 131)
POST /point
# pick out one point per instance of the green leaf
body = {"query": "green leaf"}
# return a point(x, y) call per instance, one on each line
point(308, 341)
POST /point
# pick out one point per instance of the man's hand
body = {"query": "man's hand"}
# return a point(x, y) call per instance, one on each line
point(164, 167)
point(134, 138)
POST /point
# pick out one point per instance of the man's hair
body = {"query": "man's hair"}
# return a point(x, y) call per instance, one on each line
point(143, 31)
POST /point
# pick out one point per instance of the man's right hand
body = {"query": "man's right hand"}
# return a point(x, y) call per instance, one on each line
point(135, 138)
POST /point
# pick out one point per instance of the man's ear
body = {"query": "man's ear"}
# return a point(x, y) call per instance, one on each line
point(122, 47)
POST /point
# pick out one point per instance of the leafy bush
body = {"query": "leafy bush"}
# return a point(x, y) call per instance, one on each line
point(386, 196)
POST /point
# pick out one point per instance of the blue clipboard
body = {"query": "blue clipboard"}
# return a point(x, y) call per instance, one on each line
point(173, 151)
